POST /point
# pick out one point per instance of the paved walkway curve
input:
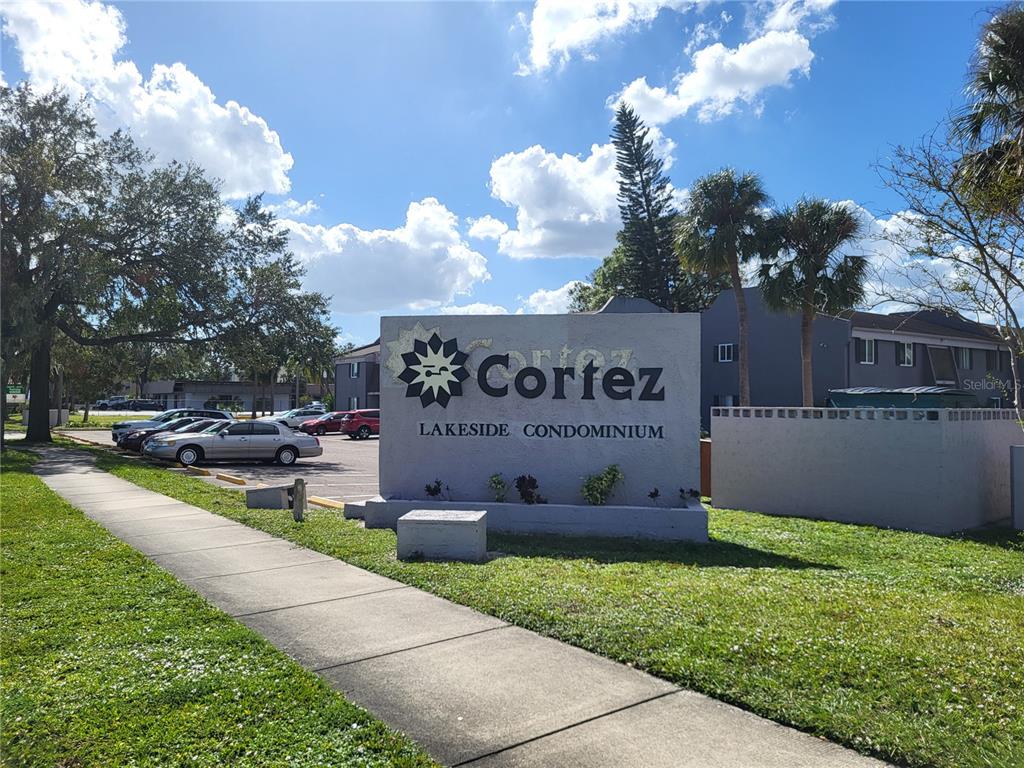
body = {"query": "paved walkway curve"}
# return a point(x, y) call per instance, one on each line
point(471, 689)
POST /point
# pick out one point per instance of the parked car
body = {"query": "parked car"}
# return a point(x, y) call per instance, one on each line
point(329, 422)
point(359, 425)
point(111, 403)
point(121, 427)
point(133, 439)
point(296, 416)
point(143, 405)
point(237, 441)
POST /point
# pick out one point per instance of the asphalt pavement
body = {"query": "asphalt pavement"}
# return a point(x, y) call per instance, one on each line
point(346, 471)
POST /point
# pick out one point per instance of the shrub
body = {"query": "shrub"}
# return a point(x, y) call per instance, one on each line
point(498, 485)
point(598, 488)
point(529, 490)
point(433, 490)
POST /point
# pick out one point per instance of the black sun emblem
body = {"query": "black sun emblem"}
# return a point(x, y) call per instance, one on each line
point(434, 371)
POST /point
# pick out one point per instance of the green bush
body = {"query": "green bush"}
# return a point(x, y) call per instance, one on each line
point(498, 485)
point(598, 488)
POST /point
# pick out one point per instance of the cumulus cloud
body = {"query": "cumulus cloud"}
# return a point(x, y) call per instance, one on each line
point(565, 205)
point(478, 308)
point(550, 302)
point(422, 264)
point(785, 15)
point(292, 207)
point(722, 78)
point(487, 228)
point(76, 45)
point(561, 28)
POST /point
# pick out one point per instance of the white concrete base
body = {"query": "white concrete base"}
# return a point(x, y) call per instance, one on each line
point(660, 523)
point(274, 497)
point(1017, 486)
point(443, 534)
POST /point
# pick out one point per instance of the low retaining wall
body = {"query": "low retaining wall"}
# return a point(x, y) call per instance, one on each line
point(662, 523)
point(936, 471)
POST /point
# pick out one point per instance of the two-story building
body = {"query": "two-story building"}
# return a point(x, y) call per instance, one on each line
point(357, 378)
point(856, 349)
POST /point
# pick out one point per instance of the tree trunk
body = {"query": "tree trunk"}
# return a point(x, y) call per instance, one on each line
point(741, 316)
point(807, 356)
point(3, 405)
point(85, 414)
point(58, 395)
point(39, 404)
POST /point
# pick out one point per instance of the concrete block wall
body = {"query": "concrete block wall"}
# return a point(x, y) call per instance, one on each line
point(936, 471)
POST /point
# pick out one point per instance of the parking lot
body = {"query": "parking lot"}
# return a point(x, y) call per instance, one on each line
point(346, 471)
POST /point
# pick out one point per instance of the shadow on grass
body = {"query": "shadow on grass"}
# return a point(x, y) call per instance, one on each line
point(1001, 536)
point(715, 554)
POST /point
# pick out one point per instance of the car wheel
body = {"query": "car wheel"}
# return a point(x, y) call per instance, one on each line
point(321, 431)
point(364, 432)
point(190, 455)
point(287, 456)
point(102, 407)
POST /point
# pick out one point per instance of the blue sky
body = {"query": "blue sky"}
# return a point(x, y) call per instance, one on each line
point(406, 122)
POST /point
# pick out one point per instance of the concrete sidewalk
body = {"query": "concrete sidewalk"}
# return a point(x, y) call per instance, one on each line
point(471, 689)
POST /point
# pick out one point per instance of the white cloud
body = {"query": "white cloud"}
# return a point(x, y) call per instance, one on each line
point(565, 205)
point(722, 78)
point(786, 15)
point(292, 207)
point(477, 308)
point(487, 228)
point(422, 264)
point(706, 32)
point(559, 28)
point(76, 44)
point(549, 302)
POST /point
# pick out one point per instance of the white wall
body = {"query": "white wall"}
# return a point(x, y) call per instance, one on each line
point(928, 470)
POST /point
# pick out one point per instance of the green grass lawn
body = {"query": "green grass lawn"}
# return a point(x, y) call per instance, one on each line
point(906, 646)
point(97, 420)
point(108, 661)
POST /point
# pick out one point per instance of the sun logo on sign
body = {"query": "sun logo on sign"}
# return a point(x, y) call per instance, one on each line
point(434, 371)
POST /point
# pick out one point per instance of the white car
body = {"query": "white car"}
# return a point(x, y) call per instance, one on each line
point(296, 416)
point(121, 428)
point(235, 441)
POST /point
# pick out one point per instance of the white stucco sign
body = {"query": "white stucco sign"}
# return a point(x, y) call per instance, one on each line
point(557, 397)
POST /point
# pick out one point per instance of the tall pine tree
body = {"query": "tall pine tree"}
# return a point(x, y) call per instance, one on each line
point(644, 264)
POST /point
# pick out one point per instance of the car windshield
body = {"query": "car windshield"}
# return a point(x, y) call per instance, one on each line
point(167, 416)
point(174, 424)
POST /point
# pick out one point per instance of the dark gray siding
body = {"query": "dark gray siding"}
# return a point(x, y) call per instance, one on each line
point(886, 372)
point(774, 354)
point(365, 387)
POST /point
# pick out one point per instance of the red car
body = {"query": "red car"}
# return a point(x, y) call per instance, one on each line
point(329, 422)
point(361, 424)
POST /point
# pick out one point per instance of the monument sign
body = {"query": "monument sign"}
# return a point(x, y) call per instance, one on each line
point(557, 397)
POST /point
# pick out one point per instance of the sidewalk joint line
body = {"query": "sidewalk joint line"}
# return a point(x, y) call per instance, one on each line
point(227, 524)
point(318, 670)
point(319, 602)
point(269, 540)
point(260, 570)
point(556, 731)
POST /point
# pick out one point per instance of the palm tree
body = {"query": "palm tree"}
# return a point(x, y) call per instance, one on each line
point(810, 274)
point(722, 227)
point(992, 123)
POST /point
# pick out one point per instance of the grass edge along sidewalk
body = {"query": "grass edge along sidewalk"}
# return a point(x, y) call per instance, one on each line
point(108, 660)
point(905, 646)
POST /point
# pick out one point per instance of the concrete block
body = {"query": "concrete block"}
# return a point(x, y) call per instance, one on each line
point(271, 497)
point(1017, 486)
point(443, 534)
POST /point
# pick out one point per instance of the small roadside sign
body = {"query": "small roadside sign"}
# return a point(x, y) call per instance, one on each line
point(14, 393)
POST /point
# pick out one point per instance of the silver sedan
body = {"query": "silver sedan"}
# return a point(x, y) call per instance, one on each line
point(236, 441)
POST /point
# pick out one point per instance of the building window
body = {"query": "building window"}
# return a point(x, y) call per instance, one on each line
point(865, 350)
point(964, 358)
point(353, 403)
point(353, 370)
point(726, 401)
point(905, 354)
point(726, 353)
